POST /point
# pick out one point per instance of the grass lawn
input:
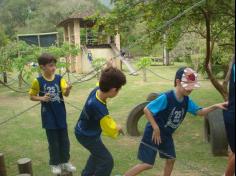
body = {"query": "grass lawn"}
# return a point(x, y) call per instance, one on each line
point(24, 136)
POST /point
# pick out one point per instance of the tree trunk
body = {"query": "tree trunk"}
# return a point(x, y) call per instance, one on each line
point(208, 62)
point(166, 53)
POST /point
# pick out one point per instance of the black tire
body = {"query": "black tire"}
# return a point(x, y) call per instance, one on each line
point(207, 131)
point(216, 133)
point(152, 96)
point(133, 119)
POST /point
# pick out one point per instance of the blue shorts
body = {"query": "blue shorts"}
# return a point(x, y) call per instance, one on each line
point(148, 150)
point(229, 118)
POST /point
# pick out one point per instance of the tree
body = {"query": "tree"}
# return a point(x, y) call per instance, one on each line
point(143, 64)
point(213, 20)
point(3, 37)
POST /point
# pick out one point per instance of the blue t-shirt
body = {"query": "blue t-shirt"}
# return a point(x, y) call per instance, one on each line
point(94, 111)
point(53, 112)
point(169, 112)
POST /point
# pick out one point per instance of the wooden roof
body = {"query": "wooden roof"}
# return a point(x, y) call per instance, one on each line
point(82, 17)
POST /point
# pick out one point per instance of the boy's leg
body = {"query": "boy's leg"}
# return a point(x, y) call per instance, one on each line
point(54, 147)
point(64, 146)
point(138, 169)
point(147, 154)
point(100, 162)
point(103, 159)
point(167, 151)
point(231, 166)
point(230, 129)
point(90, 167)
point(169, 167)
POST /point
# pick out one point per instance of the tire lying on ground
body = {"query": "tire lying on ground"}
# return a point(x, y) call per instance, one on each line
point(215, 133)
point(133, 119)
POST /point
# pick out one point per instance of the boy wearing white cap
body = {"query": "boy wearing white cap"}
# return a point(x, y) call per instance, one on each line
point(165, 115)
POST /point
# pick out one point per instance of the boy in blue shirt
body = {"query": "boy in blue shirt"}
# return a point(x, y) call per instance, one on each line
point(95, 120)
point(165, 115)
point(49, 89)
point(229, 118)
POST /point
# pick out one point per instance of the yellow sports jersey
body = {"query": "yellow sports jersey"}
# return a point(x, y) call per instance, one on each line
point(35, 88)
point(95, 119)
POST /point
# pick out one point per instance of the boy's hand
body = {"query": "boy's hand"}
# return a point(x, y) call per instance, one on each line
point(46, 98)
point(222, 105)
point(156, 136)
point(120, 130)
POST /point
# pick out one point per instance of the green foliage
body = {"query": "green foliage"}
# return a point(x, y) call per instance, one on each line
point(144, 62)
point(3, 37)
point(35, 16)
point(17, 55)
point(98, 63)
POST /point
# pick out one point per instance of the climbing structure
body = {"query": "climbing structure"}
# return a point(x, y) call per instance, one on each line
point(79, 30)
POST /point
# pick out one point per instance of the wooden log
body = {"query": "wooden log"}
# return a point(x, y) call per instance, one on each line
point(25, 166)
point(23, 175)
point(66, 174)
point(3, 171)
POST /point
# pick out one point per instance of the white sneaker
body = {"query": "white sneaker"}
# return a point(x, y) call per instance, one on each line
point(56, 170)
point(68, 167)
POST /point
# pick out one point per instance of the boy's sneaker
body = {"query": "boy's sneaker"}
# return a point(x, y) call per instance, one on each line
point(56, 170)
point(68, 167)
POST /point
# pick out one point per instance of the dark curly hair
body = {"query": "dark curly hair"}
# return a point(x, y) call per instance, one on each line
point(111, 78)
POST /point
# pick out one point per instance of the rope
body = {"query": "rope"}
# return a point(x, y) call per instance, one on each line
point(13, 89)
point(19, 114)
point(162, 77)
point(185, 163)
point(170, 22)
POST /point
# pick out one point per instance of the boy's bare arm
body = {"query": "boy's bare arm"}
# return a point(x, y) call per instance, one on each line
point(156, 137)
point(205, 111)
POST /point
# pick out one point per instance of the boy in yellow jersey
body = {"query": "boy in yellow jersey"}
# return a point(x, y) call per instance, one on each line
point(95, 120)
point(49, 89)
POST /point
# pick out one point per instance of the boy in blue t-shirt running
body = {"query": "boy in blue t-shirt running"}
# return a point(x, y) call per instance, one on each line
point(49, 89)
point(95, 120)
point(165, 115)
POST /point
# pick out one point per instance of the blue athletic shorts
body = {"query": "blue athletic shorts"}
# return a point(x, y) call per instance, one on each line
point(229, 119)
point(148, 150)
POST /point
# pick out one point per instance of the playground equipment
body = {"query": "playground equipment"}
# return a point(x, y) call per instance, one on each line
point(79, 30)
point(24, 167)
point(123, 60)
point(214, 126)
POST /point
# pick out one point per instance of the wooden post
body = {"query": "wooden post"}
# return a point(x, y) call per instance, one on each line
point(25, 166)
point(3, 171)
point(66, 174)
point(5, 77)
